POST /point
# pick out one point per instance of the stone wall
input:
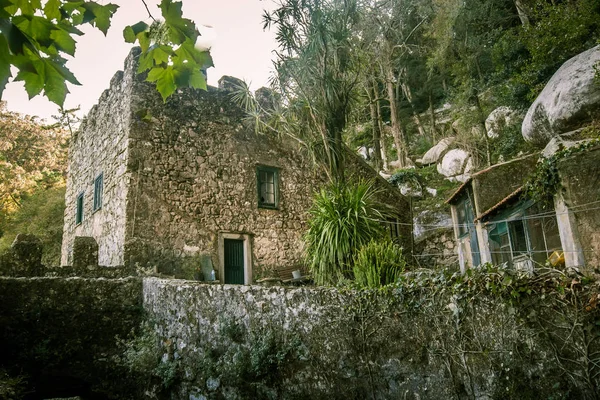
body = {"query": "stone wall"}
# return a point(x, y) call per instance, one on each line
point(580, 178)
point(258, 342)
point(435, 337)
point(437, 250)
point(101, 147)
point(60, 334)
point(194, 165)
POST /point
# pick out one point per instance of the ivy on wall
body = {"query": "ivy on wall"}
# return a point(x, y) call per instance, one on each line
point(544, 183)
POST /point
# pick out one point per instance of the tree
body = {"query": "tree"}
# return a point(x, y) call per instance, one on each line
point(35, 35)
point(314, 68)
point(30, 155)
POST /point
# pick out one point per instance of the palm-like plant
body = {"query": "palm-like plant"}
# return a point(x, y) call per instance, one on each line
point(344, 217)
point(315, 69)
point(379, 263)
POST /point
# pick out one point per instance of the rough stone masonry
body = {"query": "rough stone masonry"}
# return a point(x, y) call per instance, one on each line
point(178, 177)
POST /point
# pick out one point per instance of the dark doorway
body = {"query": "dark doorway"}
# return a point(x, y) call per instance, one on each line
point(234, 261)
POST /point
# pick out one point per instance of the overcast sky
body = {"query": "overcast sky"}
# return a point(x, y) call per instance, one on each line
point(240, 48)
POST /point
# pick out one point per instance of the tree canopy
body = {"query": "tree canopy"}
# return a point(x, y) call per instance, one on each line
point(35, 36)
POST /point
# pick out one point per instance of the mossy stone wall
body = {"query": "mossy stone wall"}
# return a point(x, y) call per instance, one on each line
point(60, 333)
point(580, 180)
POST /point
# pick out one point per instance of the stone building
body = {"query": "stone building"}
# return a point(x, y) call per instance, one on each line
point(169, 185)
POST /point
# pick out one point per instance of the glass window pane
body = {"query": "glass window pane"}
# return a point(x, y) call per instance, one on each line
point(517, 237)
point(550, 227)
point(267, 186)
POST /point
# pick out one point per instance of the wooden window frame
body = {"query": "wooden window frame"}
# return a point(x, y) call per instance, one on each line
point(275, 171)
point(79, 209)
point(98, 193)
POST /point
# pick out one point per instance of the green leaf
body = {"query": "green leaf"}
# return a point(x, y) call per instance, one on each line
point(146, 62)
point(3, 5)
point(16, 39)
point(131, 32)
point(144, 40)
point(197, 80)
point(34, 82)
point(59, 65)
point(37, 28)
point(52, 10)
point(55, 87)
point(179, 28)
point(164, 79)
point(66, 26)
point(155, 56)
point(99, 15)
point(63, 41)
point(4, 64)
point(187, 51)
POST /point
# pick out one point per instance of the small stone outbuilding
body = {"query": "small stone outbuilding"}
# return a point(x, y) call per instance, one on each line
point(186, 184)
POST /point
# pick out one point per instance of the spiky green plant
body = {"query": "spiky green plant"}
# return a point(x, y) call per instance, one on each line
point(378, 263)
point(344, 217)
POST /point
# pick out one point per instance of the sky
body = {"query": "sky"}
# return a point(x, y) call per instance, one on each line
point(240, 48)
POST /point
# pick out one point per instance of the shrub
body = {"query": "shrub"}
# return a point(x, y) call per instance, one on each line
point(379, 263)
point(343, 218)
point(41, 214)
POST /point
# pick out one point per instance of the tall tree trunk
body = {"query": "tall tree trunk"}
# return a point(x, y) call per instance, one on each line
point(432, 120)
point(384, 156)
point(481, 118)
point(397, 130)
point(408, 94)
point(373, 95)
point(523, 12)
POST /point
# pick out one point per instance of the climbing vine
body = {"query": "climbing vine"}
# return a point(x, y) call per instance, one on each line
point(544, 182)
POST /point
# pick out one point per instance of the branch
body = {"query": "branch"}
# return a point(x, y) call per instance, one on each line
point(147, 9)
point(15, 200)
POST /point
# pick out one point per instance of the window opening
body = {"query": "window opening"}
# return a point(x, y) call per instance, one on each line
point(98, 191)
point(79, 211)
point(268, 190)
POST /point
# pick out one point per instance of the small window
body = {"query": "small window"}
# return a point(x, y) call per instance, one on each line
point(267, 184)
point(465, 218)
point(79, 212)
point(98, 190)
point(518, 237)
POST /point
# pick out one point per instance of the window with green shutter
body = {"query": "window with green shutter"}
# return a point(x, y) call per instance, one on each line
point(79, 211)
point(268, 186)
point(98, 191)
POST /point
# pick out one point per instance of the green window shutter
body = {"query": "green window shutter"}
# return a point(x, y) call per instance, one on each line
point(267, 183)
point(79, 211)
point(98, 191)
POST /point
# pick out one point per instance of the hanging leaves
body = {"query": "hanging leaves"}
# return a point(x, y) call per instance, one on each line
point(169, 54)
point(35, 36)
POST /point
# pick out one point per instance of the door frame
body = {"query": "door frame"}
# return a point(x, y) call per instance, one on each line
point(247, 255)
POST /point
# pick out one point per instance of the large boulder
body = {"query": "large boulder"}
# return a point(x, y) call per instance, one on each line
point(454, 162)
point(231, 83)
point(498, 119)
point(468, 170)
point(433, 154)
point(569, 100)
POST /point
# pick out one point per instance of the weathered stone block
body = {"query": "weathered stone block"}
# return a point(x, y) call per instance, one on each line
point(85, 252)
point(24, 257)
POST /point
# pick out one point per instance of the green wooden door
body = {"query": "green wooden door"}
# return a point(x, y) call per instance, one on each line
point(234, 261)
